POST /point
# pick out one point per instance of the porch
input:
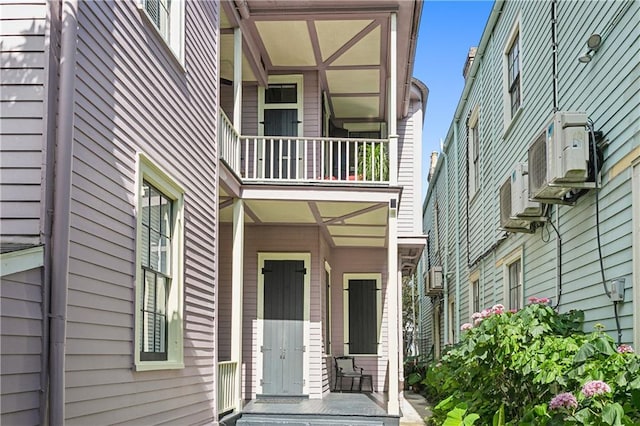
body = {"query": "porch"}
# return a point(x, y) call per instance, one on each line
point(303, 159)
point(333, 409)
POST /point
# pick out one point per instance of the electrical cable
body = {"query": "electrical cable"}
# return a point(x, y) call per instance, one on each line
point(604, 282)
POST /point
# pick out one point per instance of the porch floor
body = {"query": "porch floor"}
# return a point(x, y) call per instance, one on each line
point(332, 409)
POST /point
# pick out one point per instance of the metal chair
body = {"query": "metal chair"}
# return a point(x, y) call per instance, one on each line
point(346, 367)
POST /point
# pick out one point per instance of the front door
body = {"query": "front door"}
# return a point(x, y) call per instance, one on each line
point(281, 153)
point(283, 333)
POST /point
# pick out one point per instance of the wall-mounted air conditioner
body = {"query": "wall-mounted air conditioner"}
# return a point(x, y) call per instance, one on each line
point(516, 211)
point(559, 157)
point(433, 283)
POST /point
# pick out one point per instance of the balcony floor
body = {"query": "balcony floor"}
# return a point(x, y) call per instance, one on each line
point(333, 409)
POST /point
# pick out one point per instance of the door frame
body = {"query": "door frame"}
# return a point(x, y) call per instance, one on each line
point(296, 79)
point(262, 256)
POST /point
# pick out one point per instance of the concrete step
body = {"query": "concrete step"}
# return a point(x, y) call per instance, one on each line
point(306, 420)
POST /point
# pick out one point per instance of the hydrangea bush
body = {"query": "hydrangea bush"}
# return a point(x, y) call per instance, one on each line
point(534, 367)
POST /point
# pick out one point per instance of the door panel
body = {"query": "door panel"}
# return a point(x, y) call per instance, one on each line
point(280, 158)
point(283, 334)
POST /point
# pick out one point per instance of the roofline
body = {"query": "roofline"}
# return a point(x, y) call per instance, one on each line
point(413, 44)
point(424, 94)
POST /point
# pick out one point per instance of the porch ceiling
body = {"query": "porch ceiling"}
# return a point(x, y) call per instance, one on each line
point(343, 223)
point(346, 42)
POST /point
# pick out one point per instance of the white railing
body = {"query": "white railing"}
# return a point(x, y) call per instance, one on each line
point(229, 142)
point(285, 158)
point(227, 371)
point(314, 159)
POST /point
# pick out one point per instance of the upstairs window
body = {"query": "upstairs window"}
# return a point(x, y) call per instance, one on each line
point(167, 17)
point(475, 296)
point(513, 63)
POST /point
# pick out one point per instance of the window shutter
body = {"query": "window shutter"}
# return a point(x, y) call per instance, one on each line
point(153, 10)
point(363, 317)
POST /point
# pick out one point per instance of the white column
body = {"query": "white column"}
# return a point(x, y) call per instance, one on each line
point(237, 79)
point(393, 102)
point(237, 280)
point(393, 320)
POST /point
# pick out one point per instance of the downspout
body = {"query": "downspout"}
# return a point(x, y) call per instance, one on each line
point(554, 46)
point(457, 251)
point(62, 211)
point(445, 255)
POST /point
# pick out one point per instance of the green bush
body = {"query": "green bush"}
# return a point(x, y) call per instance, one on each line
point(528, 368)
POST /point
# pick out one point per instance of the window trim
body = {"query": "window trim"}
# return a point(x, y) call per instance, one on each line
point(506, 262)
point(514, 34)
point(297, 79)
point(345, 285)
point(474, 277)
point(176, 48)
point(150, 172)
point(327, 310)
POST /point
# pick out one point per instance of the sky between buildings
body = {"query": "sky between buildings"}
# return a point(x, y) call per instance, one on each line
point(447, 30)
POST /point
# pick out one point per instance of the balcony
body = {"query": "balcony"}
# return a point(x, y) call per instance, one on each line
point(227, 371)
point(278, 159)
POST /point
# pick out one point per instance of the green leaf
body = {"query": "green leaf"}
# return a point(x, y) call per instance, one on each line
point(445, 404)
point(498, 417)
point(586, 351)
point(612, 414)
point(454, 417)
point(470, 419)
point(604, 346)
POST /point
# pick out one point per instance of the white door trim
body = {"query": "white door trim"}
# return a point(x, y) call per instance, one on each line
point(306, 257)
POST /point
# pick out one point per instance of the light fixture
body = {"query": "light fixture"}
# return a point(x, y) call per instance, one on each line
point(593, 44)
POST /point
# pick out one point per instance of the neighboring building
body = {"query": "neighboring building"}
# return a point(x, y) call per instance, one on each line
point(204, 203)
point(488, 243)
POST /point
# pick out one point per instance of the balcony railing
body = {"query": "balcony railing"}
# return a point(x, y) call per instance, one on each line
point(227, 371)
point(300, 159)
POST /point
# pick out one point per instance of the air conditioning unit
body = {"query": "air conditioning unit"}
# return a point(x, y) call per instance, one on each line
point(433, 281)
point(516, 211)
point(559, 157)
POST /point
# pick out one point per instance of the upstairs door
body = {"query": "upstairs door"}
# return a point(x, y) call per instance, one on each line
point(283, 328)
point(280, 115)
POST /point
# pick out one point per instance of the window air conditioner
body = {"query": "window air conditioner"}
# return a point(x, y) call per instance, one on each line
point(516, 211)
point(433, 281)
point(559, 157)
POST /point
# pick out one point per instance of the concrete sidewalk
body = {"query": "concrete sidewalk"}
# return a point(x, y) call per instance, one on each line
point(414, 409)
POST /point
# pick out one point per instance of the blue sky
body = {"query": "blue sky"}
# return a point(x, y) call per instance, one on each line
point(447, 30)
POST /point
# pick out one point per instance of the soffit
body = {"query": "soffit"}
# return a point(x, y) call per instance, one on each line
point(343, 223)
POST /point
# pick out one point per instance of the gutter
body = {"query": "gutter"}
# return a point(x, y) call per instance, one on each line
point(413, 38)
point(62, 211)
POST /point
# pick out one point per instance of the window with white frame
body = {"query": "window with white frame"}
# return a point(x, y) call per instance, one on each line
point(362, 313)
point(473, 133)
point(327, 309)
point(159, 282)
point(513, 58)
point(515, 284)
point(167, 17)
point(475, 296)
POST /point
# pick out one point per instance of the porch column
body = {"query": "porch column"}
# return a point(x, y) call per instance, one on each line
point(392, 303)
point(237, 280)
point(237, 80)
point(392, 105)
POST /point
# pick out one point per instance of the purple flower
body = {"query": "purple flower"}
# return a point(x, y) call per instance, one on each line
point(539, 300)
point(563, 400)
point(625, 349)
point(595, 387)
point(466, 326)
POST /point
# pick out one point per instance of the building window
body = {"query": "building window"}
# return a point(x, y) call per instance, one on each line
point(515, 284)
point(327, 309)
point(474, 152)
point(475, 296)
point(452, 322)
point(513, 73)
point(159, 283)
point(362, 313)
point(167, 17)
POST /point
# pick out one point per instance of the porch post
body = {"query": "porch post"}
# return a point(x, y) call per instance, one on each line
point(392, 302)
point(237, 280)
point(237, 80)
point(392, 105)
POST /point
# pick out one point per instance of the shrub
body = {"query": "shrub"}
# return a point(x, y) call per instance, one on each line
point(535, 367)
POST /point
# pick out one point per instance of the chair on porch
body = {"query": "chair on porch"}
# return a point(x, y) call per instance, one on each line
point(346, 367)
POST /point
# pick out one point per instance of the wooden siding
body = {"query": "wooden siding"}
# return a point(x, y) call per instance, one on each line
point(21, 347)
point(409, 171)
point(225, 233)
point(613, 106)
point(132, 96)
point(24, 28)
